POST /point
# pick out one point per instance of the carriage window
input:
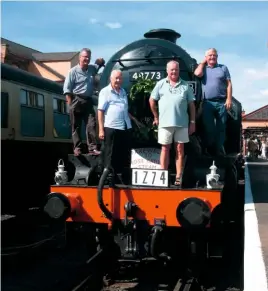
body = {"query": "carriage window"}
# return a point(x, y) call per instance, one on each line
point(62, 128)
point(40, 100)
point(23, 97)
point(32, 114)
point(55, 104)
point(31, 99)
point(4, 110)
point(60, 106)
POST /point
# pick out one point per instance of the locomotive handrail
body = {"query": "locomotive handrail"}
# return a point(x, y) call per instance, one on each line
point(145, 59)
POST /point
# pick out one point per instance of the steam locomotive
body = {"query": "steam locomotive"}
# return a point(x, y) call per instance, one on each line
point(142, 214)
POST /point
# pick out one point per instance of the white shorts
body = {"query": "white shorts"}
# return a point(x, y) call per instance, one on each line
point(166, 135)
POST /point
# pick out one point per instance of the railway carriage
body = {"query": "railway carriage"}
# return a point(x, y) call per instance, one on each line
point(35, 133)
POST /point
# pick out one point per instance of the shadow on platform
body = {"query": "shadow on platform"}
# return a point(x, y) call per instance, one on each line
point(258, 172)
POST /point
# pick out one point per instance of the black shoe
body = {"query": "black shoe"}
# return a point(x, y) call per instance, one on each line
point(94, 153)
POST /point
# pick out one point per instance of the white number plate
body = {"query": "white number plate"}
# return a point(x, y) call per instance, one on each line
point(156, 178)
point(134, 76)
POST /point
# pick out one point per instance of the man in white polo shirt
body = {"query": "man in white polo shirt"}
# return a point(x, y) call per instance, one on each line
point(114, 122)
point(174, 97)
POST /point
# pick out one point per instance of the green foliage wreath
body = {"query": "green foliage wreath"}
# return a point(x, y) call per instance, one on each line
point(140, 108)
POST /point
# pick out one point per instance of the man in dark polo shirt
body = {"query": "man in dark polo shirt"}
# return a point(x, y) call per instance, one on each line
point(217, 99)
point(78, 89)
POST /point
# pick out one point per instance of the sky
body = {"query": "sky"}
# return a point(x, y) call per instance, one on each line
point(238, 30)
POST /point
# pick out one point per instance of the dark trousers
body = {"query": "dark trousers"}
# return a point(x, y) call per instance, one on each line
point(116, 152)
point(81, 110)
point(214, 116)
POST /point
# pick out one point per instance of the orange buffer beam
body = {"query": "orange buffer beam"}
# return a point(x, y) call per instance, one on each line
point(152, 203)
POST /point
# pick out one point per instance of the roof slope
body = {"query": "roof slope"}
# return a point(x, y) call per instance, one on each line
point(259, 114)
point(55, 57)
point(19, 49)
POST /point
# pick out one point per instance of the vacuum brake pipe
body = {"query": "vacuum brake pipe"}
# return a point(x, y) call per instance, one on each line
point(104, 209)
point(102, 206)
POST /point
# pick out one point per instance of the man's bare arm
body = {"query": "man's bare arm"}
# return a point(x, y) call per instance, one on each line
point(68, 99)
point(153, 107)
point(229, 90)
point(192, 111)
point(200, 68)
point(101, 120)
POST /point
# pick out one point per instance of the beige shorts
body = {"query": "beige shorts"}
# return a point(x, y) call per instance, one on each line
point(166, 135)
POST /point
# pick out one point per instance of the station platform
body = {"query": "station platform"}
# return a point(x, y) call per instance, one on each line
point(256, 226)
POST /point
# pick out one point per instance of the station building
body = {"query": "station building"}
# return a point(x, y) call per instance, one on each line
point(255, 124)
point(52, 66)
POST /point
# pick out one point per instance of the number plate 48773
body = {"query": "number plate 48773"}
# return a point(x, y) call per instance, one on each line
point(150, 75)
point(155, 178)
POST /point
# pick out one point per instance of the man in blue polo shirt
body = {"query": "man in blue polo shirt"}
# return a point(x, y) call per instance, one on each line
point(217, 99)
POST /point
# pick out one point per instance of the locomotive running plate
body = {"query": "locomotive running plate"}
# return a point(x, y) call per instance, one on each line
point(146, 177)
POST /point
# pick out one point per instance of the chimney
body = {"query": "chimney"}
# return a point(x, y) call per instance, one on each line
point(243, 112)
point(163, 33)
point(4, 51)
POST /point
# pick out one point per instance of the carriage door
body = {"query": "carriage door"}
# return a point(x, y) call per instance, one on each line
point(4, 113)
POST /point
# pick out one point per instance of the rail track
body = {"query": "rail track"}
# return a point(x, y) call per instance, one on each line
point(151, 281)
point(154, 277)
point(65, 270)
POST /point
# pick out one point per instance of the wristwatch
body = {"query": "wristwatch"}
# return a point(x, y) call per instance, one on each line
point(192, 121)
